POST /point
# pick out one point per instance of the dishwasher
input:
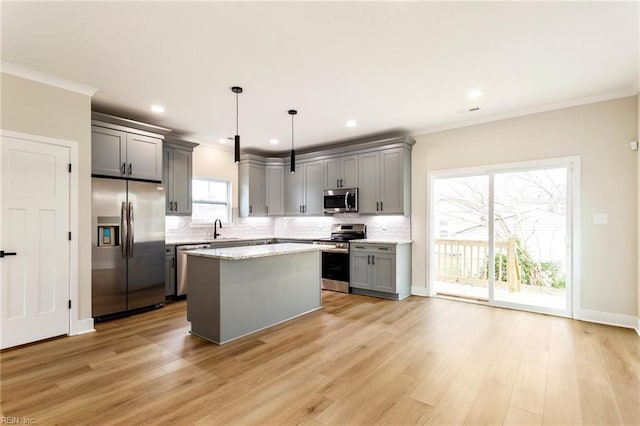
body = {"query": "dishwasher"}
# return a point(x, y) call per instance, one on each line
point(181, 266)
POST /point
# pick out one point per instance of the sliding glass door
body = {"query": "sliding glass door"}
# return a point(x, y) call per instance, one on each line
point(501, 235)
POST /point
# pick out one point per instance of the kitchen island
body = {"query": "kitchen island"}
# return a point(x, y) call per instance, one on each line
point(239, 290)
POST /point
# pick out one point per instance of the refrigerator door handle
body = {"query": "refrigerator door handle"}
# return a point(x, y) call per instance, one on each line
point(130, 229)
point(123, 230)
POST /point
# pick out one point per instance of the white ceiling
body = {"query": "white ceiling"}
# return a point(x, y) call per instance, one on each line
point(389, 65)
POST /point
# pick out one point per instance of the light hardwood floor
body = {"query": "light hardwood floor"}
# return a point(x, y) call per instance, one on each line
point(360, 360)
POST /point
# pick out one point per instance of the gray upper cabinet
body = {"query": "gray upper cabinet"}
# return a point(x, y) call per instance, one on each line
point(108, 151)
point(274, 190)
point(380, 169)
point(341, 172)
point(251, 181)
point(293, 192)
point(119, 153)
point(313, 188)
point(385, 181)
point(303, 189)
point(178, 176)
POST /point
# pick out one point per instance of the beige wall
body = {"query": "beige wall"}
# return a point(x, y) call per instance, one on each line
point(218, 164)
point(600, 134)
point(39, 109)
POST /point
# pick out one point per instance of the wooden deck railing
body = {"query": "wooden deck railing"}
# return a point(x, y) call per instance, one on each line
point(466, 262)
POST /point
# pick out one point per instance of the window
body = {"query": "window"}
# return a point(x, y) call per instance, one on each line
point(211, 201)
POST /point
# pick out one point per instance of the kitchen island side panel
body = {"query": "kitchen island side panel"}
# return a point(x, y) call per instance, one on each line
point(203, 302)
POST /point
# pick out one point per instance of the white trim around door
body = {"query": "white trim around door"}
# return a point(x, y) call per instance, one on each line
point(76, 325)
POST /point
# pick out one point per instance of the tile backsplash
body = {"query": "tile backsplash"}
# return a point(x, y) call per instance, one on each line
point(378, 227)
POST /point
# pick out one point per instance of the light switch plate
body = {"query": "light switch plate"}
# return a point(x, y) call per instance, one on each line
point(600, 218)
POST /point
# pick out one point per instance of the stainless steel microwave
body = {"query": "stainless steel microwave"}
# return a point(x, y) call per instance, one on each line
point(340, 200)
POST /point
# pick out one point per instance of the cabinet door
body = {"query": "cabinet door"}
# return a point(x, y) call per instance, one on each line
point(293, 183)
point(108, 151)
point(274, 177)
point(360, 270)
point(391, 181)
point(167, 155)
point(313, 188)
point(332, 173)
point(256, 190)
point(349, 177)
point(169, 275)
point(368, 169)
point(181, 182)
point(144, 157)
point(384, 273)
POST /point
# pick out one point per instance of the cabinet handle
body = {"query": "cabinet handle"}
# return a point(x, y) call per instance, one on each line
point(299, 209)
point(359, 247)
point(381, 207)
point(130, 169)
point(337, 183)
point(341, 184)
point(368, 259)
point(250, 209)
point(373, 260)
point(383, 248)
point(175, 205)
point(377, 206)
point(267, 210)
point(124, 168)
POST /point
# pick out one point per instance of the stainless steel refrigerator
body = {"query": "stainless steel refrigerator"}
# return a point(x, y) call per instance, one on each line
point(127, 246)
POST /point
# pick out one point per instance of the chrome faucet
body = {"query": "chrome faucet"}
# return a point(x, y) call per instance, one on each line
point(215, 228)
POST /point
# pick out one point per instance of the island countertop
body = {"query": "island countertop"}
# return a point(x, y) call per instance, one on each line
point(251, 252)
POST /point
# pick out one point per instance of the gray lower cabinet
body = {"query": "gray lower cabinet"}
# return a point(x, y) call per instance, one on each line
point(381, 270)
point(170, 271)
point(119, 152)
point(177, 177)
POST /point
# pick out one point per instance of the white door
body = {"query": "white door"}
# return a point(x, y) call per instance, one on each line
point(34, 224)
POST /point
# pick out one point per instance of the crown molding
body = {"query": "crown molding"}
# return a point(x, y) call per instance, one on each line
point(48, 79)
point(618, 94)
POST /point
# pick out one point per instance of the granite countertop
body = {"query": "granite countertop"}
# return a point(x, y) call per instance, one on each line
point(189, 241)
point(251, 252)
point(381, 241)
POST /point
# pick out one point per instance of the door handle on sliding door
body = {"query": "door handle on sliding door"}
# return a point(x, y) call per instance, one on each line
point(7, 253)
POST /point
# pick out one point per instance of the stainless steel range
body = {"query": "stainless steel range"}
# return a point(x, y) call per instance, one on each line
point(335, 261)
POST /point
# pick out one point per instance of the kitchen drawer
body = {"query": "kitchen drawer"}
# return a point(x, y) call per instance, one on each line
point(373, 248)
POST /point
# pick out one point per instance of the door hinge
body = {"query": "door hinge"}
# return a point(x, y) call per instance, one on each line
point(69, 304)
point(69, 167)
point(69, 235)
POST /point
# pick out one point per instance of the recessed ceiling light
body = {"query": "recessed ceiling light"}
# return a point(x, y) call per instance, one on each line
point(352, 123)
point(474, 94)
point(274, 141)
point(159, 109)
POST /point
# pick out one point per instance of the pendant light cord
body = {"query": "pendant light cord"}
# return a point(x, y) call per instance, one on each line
point(291, 131)
point(236, 113)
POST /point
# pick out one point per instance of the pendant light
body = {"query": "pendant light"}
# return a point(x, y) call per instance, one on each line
point(292, 112)
point(236, 139)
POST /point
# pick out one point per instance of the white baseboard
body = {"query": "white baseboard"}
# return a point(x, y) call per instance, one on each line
point(81, 327)
point(419, 291)
point(619, 320)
